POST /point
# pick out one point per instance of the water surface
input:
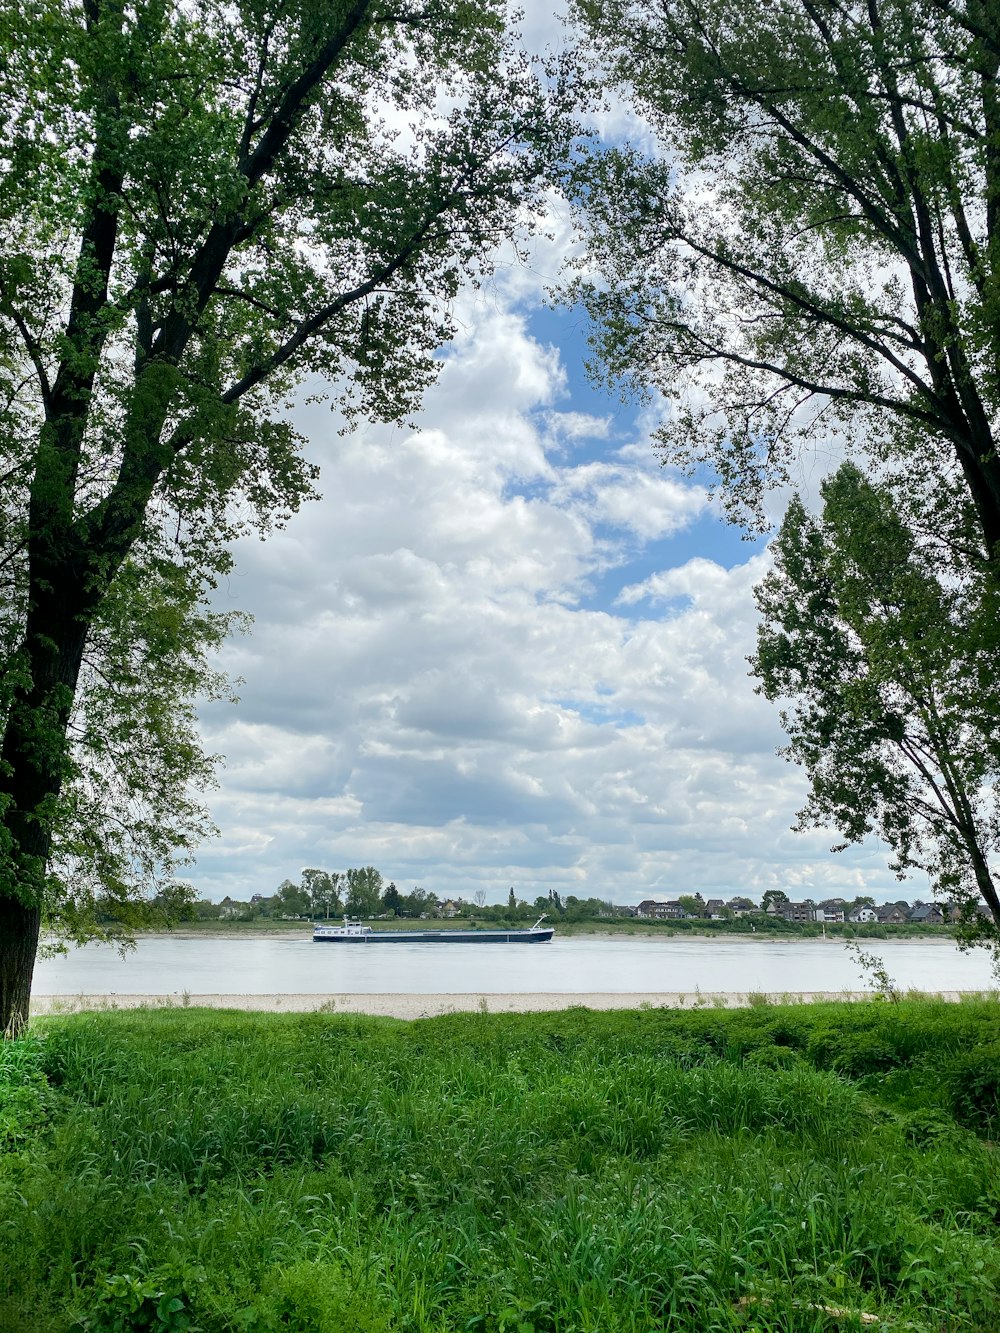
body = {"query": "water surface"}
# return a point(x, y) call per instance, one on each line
point(257, 966)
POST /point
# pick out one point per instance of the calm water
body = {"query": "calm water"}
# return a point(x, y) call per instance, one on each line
point(262, 966)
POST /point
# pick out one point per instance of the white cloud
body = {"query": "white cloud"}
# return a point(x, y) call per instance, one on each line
point(431, 688)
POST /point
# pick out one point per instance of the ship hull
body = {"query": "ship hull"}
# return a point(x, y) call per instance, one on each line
point(439, 937)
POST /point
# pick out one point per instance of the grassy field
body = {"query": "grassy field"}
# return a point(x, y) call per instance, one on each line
point(777, 1168)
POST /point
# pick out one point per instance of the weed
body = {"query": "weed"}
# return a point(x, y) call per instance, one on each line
point(772, 1168)
point(875, 971)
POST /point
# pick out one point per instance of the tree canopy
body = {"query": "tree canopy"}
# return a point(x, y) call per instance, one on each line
point(868, 633)
point(812, 247)
point(202, 205)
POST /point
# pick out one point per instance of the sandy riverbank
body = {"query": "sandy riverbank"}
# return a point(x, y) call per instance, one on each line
point(429, 1006)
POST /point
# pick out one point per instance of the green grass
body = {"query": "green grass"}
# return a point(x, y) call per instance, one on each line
point(561, 1173)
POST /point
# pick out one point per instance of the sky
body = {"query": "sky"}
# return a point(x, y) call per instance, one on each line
point(508, 648)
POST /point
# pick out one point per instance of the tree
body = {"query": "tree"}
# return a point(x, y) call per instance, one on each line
point(200, 209)
point(816, 247)
point(418, 903)
point(391, 900)
point(364, 892)
point(693, 904)
point(511, 900)
point(777, 897)
point(323, 890)
point(292, 900)
point(865, 632)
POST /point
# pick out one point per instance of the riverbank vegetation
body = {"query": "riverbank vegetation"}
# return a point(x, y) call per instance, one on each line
point(638, 927)
point(363, 893)
point(792, 1168)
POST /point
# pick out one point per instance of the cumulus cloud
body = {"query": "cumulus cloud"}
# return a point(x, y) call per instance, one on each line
point(504, 648)
point(437, 686)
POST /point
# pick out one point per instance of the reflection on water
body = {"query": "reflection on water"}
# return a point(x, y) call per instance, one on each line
point(291, 966)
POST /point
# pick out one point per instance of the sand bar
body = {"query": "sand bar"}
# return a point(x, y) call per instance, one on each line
point(429, 1006)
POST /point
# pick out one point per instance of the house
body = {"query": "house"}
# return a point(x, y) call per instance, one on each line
point(742, 906)
point(715, 908)
point(448, 908)
point(229, 908)
point(892, 914)
point(929, 914)
point(862, 915)
point(800, 912)
point(823, 913)
point(666, 911)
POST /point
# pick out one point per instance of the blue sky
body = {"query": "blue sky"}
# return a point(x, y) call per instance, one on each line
point(508, 648)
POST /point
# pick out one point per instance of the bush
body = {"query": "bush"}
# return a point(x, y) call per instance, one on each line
point(973, 1082)
point(124, 1303)
point(25, 1098)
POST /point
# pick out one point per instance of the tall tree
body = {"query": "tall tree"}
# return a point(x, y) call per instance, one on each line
point(291, 899)
point(201, 204)
point(323, 888)
point(364, 891)
point(392, 900)
point(815, 244)
point(868, 633)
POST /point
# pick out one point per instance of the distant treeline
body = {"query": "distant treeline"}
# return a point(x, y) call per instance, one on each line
point(362, 892)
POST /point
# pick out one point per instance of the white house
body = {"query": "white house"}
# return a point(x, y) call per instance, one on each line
point(862, 915)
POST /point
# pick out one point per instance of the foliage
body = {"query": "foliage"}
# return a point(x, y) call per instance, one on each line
point(593, 1171)
point(25, 1100)
point(776, 896)
point(364, 891)
point(811, 248)
point(870, 633)
point(204, 205)
point(123, 1303)
point(876, 972)
point(323, 888)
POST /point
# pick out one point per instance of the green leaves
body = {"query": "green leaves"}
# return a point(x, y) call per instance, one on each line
point(869, 632)
point(809, 248)
point(201, 206)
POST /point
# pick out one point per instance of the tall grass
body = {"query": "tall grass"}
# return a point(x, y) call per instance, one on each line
point(561, 1173)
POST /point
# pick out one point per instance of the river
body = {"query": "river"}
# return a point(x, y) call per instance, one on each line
point(261, 966)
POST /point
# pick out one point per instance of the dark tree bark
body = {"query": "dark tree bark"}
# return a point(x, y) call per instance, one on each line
point(147, 364)
point(19, 927)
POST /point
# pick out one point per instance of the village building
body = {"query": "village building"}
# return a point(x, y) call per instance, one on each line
point(862, 915)
point(929, 914)
point(661, 911)
point(742, 906)
point(798, 912)
point(892, 914)
point(823, 913)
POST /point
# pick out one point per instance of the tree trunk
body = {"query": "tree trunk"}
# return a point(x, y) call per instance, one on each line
point(19, 927)
point(32, 768)
point(984, 881)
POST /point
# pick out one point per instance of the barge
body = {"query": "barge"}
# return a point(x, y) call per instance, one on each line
point(356, 932)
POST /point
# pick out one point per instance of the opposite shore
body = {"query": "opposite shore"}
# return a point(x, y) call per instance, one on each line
point(613, 929)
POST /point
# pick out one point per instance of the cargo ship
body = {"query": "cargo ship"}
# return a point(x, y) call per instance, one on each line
point(356, 932)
